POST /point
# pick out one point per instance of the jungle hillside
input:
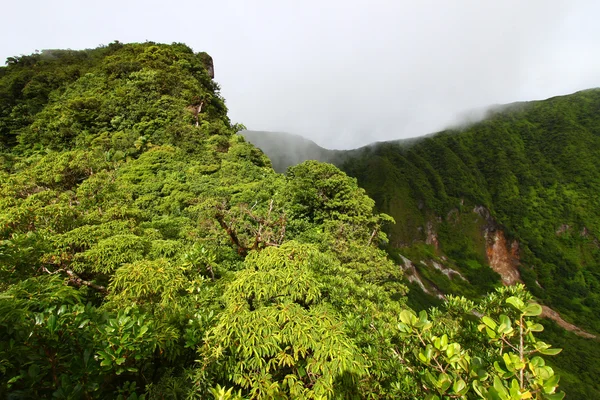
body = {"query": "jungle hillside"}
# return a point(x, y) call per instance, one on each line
point(148, 251)
point(510, 199)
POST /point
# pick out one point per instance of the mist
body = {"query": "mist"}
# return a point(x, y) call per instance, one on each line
point(345, 74)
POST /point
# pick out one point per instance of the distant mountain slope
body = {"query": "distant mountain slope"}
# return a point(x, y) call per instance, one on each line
point(512, 198)
point(517, 192)
point(286, 149)
point(531, 171)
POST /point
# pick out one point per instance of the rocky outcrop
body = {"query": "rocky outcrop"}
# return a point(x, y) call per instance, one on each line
point(449, 272)
point(411, 273)
point(484, 213)
point(503, 259)
point(585, 233)
point(562, 229)
point(207, 60)
point(431, 238)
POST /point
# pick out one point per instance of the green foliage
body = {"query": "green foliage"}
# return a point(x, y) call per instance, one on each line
point(453, 364)
point(146, 251)
point(154, 282)
point(532, 166)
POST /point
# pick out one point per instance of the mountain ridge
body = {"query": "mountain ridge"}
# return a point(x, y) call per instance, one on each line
point(288, 149)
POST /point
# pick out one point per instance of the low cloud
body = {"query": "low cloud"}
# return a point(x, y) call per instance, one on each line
point(342, 73)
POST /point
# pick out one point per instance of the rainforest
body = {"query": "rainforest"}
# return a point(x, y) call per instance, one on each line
point(149, 251)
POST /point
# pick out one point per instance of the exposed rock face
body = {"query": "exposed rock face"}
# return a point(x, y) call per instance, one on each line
point(586, 234)
point(549, 313)
point(502, 258)
point(412, 275)
point(490, 224)
point(449, 272)
point(562, 229)
point(432, 236)
point(208, 64)
point(211, 70)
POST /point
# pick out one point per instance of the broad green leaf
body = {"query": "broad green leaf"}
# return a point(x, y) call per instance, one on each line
point(550, 352)
point(499, 386)
point(51, 324)
point(83, 323)
point(489, 322)
point(459, 386)
point(499, 368)
point(406, 317)
point(550, 384)
point(534, 327)
point(479, 389)
point(516, 303)
point(532, 310)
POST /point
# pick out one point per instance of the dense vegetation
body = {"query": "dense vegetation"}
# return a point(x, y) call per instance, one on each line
point(534, 166)
point(146, 251)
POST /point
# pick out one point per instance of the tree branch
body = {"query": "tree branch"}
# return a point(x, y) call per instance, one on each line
point(76, 280)
point(232, 234)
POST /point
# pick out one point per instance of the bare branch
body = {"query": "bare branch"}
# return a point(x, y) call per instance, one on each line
point(220, 216)
point(372, 236)
point(252, 230)
point(74, 278)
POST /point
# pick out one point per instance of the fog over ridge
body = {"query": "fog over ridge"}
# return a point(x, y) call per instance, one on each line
point(345, 74)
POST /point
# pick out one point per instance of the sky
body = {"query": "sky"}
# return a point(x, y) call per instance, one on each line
point(344, 73)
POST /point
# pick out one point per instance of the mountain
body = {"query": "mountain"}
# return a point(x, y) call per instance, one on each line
point(148, 251)
point(516, 191)
point(286, 149)
point(526, 176)
point(512, 198)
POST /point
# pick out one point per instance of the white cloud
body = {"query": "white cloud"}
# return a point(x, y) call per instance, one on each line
point(345, 73)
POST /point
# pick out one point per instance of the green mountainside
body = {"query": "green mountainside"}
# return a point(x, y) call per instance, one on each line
point(147, 251)
point(517, 191)
point(535, 170)
point(523, 183)
point(285, 150)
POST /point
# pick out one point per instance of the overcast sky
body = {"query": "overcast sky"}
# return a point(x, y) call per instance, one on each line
point(344, 73)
